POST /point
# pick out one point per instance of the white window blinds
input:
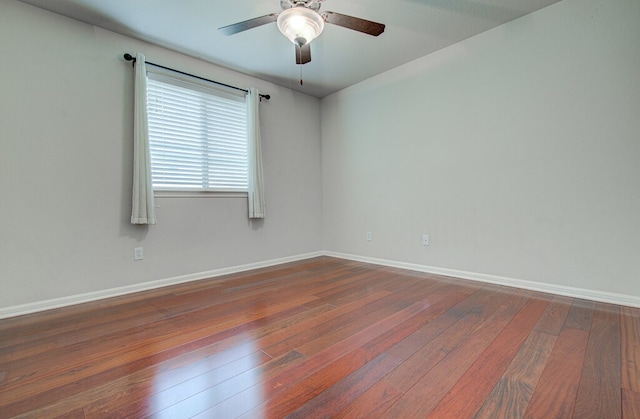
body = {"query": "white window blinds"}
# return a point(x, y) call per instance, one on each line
point(197, 136)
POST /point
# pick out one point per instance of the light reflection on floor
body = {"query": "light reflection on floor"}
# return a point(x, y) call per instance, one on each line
point(205, 386)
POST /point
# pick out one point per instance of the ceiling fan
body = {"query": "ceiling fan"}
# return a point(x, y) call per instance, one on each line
point(301, 22)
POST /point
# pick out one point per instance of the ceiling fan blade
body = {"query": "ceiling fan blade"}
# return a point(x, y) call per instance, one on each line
point(248, 24)
point(355, 23)
point(303, 54)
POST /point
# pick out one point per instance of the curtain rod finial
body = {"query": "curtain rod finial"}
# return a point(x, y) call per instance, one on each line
point(129, 57)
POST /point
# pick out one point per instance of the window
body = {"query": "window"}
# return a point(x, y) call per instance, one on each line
point(197, 136)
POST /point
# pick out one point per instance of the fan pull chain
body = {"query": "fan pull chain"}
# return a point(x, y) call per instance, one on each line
point(300, 75)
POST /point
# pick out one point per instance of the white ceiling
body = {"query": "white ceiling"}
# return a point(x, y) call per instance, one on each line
point(340, 57)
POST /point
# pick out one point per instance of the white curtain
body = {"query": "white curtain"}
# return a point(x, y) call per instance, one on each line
point(143, 207)
point(256, 182)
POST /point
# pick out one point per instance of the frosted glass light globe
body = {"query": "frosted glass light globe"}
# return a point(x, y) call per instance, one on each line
point(300, 25)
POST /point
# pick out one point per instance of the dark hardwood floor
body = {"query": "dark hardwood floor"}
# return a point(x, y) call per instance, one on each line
point(324, 338)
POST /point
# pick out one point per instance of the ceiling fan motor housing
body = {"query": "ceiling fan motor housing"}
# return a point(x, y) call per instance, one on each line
point(310, 4)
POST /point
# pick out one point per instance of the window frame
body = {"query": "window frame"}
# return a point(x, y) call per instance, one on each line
point(194, 83)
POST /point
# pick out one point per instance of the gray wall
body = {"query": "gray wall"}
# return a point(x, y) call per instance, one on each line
point(517, 151)
point(65, 169)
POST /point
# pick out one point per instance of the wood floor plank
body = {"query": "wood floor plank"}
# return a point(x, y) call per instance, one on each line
point(555, 315)
point(105, 309)
point(283, 398)
point(194, 320)
point(283, 341)
point(480, 300)
point(420, 399)
point(580, 315)
point(353, 284)
point(374, 310)
point(141, 353)
point(292, 395)
point(324, 337)
point(71, 324)
point(630, 404)
point(143, 327)
point(371, 403)
point(511, 396)
point(440, 337)
point(432, 293)
point(468, 394)
point(165, 395)
point(206, 396)
point(599, 393)
point(630, 361)
point(117, 386)
point(417, 323)
point(338, 396)
point(554, 396)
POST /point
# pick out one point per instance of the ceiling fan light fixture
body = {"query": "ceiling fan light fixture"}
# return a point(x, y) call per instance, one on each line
point(300, 25)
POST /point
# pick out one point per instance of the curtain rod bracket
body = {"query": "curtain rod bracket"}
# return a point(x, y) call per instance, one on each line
point(129, 57)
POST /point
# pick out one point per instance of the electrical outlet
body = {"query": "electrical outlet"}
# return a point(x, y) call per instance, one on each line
point(425, 240)
point(138, 254)
point(368, 236)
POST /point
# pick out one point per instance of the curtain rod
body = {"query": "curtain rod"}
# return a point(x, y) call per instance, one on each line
point(130, 57)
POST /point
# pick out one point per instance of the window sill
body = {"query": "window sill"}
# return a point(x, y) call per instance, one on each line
point(198, 194)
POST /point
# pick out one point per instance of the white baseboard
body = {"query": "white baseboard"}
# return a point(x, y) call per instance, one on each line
point(602, 296)
point(22, 309)
point(586, 294)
